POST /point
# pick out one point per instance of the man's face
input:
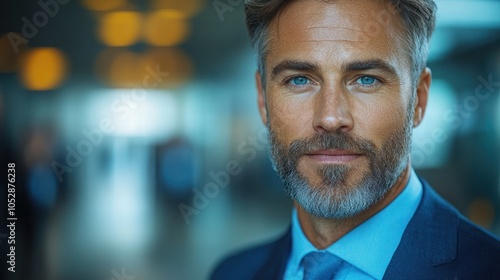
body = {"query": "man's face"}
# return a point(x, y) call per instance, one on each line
point(338, 104)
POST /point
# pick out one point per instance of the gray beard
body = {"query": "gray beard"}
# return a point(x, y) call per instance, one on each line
point(335, 197)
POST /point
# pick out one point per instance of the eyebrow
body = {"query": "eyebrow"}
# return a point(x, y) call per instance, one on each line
point(364, 65)
point(293, 65)
point(355, 66)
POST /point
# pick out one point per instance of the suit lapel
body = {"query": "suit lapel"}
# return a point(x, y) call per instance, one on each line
point(274, 267)
point(430, 238)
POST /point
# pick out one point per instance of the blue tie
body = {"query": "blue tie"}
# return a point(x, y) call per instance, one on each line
point(321, 266)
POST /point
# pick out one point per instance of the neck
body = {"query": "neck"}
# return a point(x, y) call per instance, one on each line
point(324, 232)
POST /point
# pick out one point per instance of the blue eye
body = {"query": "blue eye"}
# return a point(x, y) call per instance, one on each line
point(299, 80)
point(367, 80)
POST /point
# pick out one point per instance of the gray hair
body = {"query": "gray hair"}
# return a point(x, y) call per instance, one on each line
point(418, 18)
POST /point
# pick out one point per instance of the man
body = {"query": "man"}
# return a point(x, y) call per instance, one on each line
point(341, 85)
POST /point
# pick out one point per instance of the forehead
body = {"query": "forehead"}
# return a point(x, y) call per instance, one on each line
point(339, 29)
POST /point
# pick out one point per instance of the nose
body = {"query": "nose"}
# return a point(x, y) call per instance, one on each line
point(332, 111)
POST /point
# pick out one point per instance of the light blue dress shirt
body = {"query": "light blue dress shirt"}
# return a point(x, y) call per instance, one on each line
point(367, 249)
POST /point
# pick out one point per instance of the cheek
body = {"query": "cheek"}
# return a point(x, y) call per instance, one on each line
point(377, 119)
point(290, 117)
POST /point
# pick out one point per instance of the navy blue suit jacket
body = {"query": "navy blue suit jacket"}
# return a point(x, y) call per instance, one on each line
point(438, 243)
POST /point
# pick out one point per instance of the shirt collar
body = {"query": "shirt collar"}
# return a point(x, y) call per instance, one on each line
point(370, 246)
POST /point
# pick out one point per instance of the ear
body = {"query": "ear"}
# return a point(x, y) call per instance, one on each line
point(261, 98)
point(423, 87)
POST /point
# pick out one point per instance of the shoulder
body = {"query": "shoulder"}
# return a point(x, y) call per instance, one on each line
point(476, 243)
point(477, 251)
point(469, 234)
point(247, 263)
point(440, 243)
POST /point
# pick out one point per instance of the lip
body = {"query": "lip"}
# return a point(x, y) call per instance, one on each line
point(334, 156)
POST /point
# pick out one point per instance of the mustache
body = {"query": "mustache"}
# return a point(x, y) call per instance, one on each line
point(332, 141)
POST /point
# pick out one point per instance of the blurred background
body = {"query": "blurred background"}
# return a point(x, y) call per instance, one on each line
point(138, 147)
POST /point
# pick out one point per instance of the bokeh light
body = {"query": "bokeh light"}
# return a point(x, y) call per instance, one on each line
point(43, 68)
point(165, 28)
point(118, 67)
point(482, 212)
point(8, 56)
point(120, 29)
point(121, 68)
point(103, 5)
point(103, 62)
point(188, 8)
point(174, 61)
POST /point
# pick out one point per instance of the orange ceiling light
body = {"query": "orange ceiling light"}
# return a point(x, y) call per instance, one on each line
point(188, 8)
point(123, 70)
point(173, 61)
point(119, 29)
point(43, 68)
point(166, 28)
point(157, 68)
point(118, 68)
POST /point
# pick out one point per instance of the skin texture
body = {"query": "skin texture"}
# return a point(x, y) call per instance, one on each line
point(327, 43)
